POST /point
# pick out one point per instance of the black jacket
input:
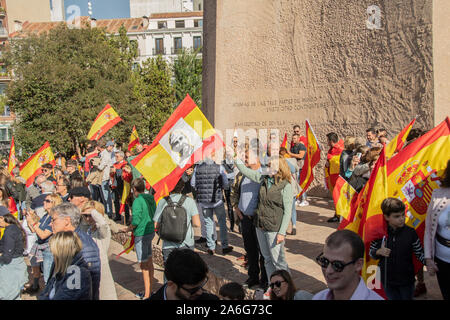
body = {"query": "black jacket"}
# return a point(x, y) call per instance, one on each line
point(399, 266)
point(11, 244)
point(159, 295)
point(66, 288)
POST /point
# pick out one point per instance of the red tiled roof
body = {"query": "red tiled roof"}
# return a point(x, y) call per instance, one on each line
point(111, 25)
point(176, 15)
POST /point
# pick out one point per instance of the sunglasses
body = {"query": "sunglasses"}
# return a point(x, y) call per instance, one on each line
point(337, 265)
point(276, 284)
point(194, 290)
point(48, 201)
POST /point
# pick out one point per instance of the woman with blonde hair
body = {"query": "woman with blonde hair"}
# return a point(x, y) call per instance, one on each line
point(71, 279)
point(346, 155)
point(274, 209)
point(96, 224)
point(40, 251)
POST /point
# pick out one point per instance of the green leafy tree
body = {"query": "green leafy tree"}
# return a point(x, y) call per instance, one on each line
point(64, 78)
point(187, 71)
point(155, 94)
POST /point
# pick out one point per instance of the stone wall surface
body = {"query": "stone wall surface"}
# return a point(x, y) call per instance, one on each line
point(273, 64)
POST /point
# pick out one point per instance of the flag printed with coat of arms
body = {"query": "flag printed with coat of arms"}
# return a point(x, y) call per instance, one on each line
point(32, 166)
point(106, 119)
point(186, 137)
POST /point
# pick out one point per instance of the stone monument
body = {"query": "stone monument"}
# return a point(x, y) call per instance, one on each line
point(343, 65)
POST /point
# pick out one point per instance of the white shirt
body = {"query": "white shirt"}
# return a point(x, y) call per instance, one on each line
point(443, 252)
point(361, 293)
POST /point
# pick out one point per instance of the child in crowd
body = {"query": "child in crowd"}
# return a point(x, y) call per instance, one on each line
point(395, 252)
point(232, 291)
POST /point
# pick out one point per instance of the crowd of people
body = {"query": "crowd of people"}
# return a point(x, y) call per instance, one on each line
point(66, 217)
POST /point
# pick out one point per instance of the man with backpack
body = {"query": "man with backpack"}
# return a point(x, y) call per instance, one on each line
point(175, 217)
point(143, 228)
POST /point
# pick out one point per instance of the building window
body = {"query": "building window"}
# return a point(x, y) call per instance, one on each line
point(179, 23)
point(198, 23)
point(162, 24)
point(5, 134)
point(197, 43)
point(6, 112)
point(177, 45)
point(199, 7)
point(159, 46)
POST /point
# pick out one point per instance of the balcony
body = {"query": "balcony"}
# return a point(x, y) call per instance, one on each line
point(5, 76)
point(2, 12)
point(176, 50)
point(157, 52)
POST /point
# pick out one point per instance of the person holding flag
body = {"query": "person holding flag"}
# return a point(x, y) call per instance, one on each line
point(396, 254)
point(332, 164)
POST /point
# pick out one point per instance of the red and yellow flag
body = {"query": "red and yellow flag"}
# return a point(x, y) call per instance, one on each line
point(106, 119)
point(128, 246)
point(186, 137)
point(344, 197)
point(311, 159)
point(12, 207)
point(396, 144)
point(127, 178)
point(332, 171)
point(134, 139)
point(284, 143)
point(32, 167)
point(12, 162)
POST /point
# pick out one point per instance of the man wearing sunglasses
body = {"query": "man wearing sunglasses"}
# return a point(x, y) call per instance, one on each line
point(341, 262)
point(187, 275)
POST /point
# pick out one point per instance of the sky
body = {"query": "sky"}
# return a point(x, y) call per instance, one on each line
point(101, 9)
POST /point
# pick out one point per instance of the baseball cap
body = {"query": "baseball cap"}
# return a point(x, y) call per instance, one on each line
point(80, 192)
point(109, 144)
point(3, 211)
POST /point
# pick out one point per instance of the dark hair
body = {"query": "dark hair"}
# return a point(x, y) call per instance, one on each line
point(47, 166)
point(282, 151)
point(184, 266)
point(392, 205)
point(138, 184)
point(232, 290)
point(72, 162)
point(414, 134)
point(76, 181)
point(445, 181)
point(65, 182)
point(338, 238)
point(178, 187)
point(291, 286)
point(371, 130)
point(381, 130)
point(296, 126)
point(10, 219)
point(333, 137)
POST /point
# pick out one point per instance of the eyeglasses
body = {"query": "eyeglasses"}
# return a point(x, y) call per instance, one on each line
point(337, 266)
point(194, 290)
point(276, 284)
point(54, 219)
point(48, 201)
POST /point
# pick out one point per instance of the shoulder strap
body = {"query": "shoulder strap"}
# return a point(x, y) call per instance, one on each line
point(181, 201)
point(168, 200)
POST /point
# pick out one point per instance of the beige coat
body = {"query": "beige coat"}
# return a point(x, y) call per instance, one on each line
point(439, 200)
point(102, 237)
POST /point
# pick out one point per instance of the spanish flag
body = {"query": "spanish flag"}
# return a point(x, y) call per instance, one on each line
point(106, 119)
point(311, 159)
point(32, 167)
point(344, 197)
point(12, 162)
point(134, 139)
point(127, 178)
point(396, 144)
point(332, 171)
point(12, 207)
point(284, 143)
point(186, 137)
point(128, 246)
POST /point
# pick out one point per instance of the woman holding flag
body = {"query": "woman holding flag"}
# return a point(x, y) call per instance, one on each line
point(274, 209)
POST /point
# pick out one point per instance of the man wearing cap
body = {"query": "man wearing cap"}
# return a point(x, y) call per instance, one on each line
point(107, 159)
point(79, 196)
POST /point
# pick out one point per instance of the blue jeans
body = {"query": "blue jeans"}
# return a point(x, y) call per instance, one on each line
point(47, 264)
point(108, 198)
point(143, 246)
point(294, 214)
point(273, 253)
point(400, 292)
point(209, 224)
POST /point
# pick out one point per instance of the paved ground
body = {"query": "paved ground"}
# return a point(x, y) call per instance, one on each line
point(301, 250)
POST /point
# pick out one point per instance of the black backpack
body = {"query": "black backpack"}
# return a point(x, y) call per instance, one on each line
point(173, 225)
